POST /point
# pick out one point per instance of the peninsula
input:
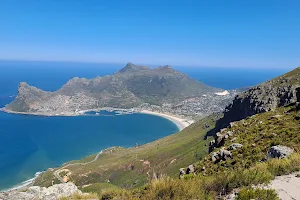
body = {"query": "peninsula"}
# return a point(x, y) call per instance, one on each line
point(162, 89)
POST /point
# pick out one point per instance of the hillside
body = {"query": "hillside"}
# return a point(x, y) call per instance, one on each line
point(133, 86)
point(133, 167)
point(247, 163)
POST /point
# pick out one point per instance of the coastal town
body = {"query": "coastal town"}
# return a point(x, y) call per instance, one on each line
point(189, 109)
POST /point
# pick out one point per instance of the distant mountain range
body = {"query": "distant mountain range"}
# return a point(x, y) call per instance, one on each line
point(130, 87)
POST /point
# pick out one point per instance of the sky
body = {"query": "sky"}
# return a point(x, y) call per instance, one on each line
point(256, 33)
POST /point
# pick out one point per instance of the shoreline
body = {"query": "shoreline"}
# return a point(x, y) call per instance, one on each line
point(181, 123)
point(23, 185)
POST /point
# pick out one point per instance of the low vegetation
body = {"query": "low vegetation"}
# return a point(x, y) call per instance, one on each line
point(257, 134)
point(261, 194)
point(78, 196)
point(210, 187)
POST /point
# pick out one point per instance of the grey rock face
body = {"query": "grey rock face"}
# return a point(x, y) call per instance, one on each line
point(298, 94)
point(54, 192)
point(279, 152)
point(265, 97)
point(298, 98)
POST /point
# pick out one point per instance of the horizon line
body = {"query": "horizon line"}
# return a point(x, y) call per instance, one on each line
point(138, 63)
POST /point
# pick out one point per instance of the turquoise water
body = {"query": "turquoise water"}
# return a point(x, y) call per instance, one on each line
point(29, 144)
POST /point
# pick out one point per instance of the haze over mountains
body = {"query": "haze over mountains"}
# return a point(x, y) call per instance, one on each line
point(130, 87)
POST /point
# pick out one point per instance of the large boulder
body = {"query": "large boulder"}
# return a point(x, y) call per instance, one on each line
point(181, 172)
point(279, 152)
point(222, 154)
point(190, 169)
point(225, 155)
point(235, 146)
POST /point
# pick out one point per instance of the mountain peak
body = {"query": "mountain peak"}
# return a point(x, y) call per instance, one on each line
point(166, 68)
point(24, 84)
point(130, 67)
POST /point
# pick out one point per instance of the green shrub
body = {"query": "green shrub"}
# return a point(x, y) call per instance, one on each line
point(257, 194)
point(78, 196)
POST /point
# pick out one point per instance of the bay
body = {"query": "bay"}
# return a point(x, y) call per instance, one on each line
point(29, 144)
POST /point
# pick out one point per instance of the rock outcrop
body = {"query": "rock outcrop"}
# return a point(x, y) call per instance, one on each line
point(54, 192)
point(265, 97)
point(189, 170)
point(235, 146)
point(220, 139)
point(222, 154)
point(181, 172)
point(279, 151)
point(298, 98)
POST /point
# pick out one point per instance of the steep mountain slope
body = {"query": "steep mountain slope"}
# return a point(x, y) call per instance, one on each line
point(248, 141)
point(265, 97)
point(129, 87)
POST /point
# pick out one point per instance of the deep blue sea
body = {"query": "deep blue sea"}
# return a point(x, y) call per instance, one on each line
point(29, 144)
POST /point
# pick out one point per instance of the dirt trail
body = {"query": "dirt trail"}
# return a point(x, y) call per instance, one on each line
point(287, 186)
point(56, 173)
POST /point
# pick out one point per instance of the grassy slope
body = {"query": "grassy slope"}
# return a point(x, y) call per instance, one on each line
point(165, 156)
point(244, 170)
point(257, 134)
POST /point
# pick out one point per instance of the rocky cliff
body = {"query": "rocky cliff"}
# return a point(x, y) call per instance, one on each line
point(265, 97)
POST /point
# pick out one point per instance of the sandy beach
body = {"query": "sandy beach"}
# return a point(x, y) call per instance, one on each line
point(180, 122)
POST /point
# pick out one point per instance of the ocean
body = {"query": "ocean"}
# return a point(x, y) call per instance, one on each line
point(29, 144)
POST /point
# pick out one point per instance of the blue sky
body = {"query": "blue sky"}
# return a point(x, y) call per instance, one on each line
point(256, 33)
